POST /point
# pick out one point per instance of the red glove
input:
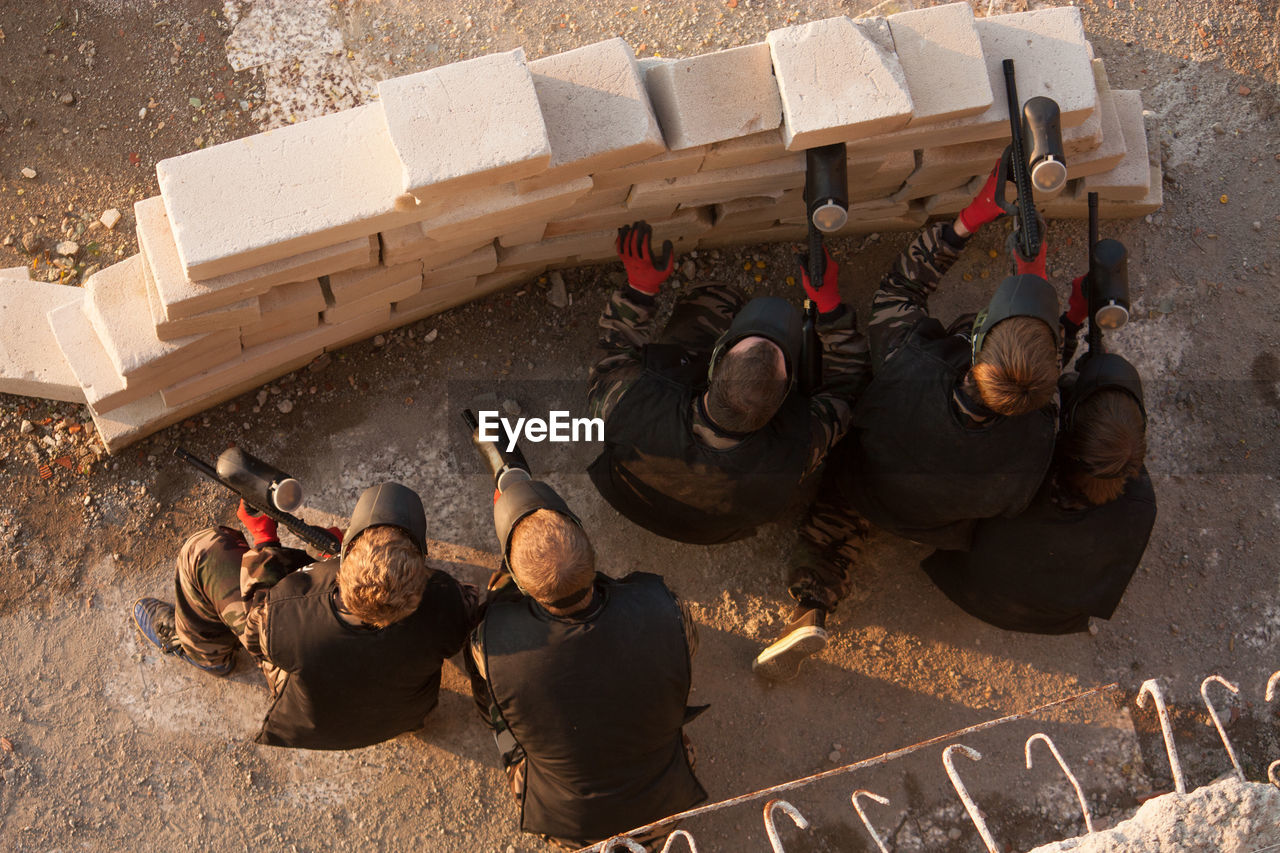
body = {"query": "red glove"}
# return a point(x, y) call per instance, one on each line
point(1035, 266)
point(262, 530)
point(645, 273)
point(984, 208)
point(826, 297)
point(336, 533)
point(1078, 304)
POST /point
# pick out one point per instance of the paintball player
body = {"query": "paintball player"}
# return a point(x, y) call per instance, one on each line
point(957, 424)
point(351, 647)
point(583, 679)
point(706, 433)
point(1072, 552)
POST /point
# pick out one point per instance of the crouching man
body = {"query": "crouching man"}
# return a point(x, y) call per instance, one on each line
point(583, 679)
point(351, 647)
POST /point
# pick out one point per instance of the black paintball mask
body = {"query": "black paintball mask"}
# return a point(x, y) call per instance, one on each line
point(769, 317)
point(389, 504)
point(517, 501)
point(1022, 295)
point(1101, 372)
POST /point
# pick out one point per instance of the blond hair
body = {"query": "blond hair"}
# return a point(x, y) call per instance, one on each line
point(551, 557)
point(382, 577)
point(1016, 370)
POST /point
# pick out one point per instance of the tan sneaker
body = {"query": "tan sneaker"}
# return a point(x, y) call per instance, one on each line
point(804, 635)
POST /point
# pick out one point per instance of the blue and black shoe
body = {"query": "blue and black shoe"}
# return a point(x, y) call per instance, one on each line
point(154, 619)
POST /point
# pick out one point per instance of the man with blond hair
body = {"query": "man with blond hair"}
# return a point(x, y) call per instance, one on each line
point(583, 679)
point(351, 647)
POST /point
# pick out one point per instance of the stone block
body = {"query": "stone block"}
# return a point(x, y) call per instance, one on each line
point(745, 150)
point(951, 202)
point(287, 301)
point(232, 316)
point(102, 385)
point(615, 217)
point(758, 211)
point(595, 201)
point(341, 312)
point(257, 335)
point(181, 297)
point(358, 328)
point(348, 287)
point(673, 164)
point(1051, 58)
point(1110, 151)
point(683, 230)
point(531, 233)
point(439, 297)
point(480, 262)
point(465, 125)
point(31, 363)
point(942, 59)
point(716, 96)
point(721, 184)
point(773, 234)
point(838, 82)
point(255, 363)
point(1130, 179)
point(910, 192)
point(596, 112)
point(284, 192)
point(866, 211)
point(20, 273)
point(497, 210)
point(116, 305)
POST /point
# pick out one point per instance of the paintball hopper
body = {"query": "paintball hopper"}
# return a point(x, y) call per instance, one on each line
point(769, 317)
point(1109, 294)
point(826, 187)
point(506, 466)
point(1017, 296)
point(259, 482)
point(389, 504)
point(1042, 144)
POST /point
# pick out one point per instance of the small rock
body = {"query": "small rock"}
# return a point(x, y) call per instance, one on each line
point(27, 428)
point(1257, 226)
point(67, 98)
point(557, 295)
point(1244, 90)
point(109, 218)
point(1218, 128)
point(28, 173)
point(834, 756)
point(954, 834)
point(430, 336)
point(262, 397)
point(379, 341)
point(689, 269)
point(88, 499)
point(142, 113)
point(69, 248)
point(32, 243)
point(511, 407)
point(322, 361)
point(285, 406)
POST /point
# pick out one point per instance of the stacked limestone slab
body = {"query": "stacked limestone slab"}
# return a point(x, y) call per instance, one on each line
point(261, 253)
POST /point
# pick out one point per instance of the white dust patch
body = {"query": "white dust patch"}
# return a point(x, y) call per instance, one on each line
point(298, 50)
point(1187, 116)
point(1156, 347)
point(328, 779)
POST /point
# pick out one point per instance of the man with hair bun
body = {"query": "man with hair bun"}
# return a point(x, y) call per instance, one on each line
point(957, 424)
point(583, 679)
point(351, 646)
point(1071, 554)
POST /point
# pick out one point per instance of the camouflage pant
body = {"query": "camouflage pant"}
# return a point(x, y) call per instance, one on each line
point(210, 611)
point(831, 541)
point(701, 315)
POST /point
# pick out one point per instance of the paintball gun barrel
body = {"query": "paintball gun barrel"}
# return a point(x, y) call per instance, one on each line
point(1034, 159)
point(1108, 281)
point(265, 489)
point(506, 466)
point(826, 195)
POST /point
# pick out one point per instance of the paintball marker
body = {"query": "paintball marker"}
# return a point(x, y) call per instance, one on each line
point(506, 466)
point(826, 197)
point(1107, 282)
point(1034, 161)
point(264, 489)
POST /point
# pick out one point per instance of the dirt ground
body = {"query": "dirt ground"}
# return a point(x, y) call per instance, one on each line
point(105, 746)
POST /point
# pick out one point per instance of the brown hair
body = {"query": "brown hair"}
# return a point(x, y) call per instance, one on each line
point(746, 389)
point(1016, 370)
point(551, 557)
point(1105, 447)
point(382, 577)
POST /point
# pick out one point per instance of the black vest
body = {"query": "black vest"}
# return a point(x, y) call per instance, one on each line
point(656, 473)
point(910, 464)
point(1048, 570)
point(598, 705)
point(351, 686)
